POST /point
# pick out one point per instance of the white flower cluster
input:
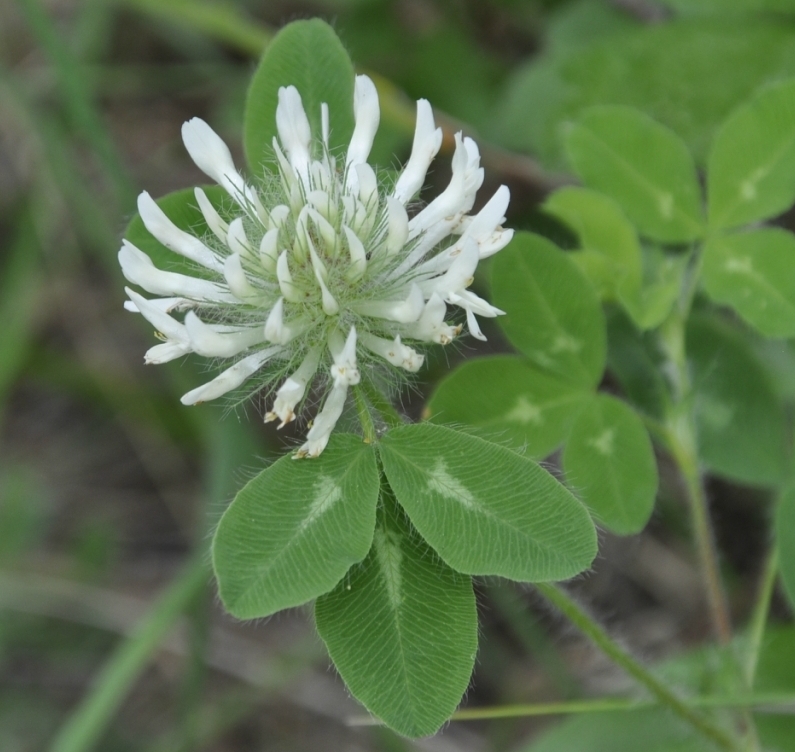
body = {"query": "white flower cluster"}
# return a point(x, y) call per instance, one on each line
point(323, 271)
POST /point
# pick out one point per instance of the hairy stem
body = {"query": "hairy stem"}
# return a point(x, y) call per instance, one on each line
point(661, 692)
point(682, 444)
point(772, 702)
point(384, 407)
point(365, 419)
point(758, 623)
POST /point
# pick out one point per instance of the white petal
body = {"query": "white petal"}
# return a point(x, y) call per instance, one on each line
point(231, 378)
point(319, 434)
point(431, 326)
point(279, 215)
point(495, 243)
point(167, 326)
point(344, 370)
point(288, 289)
point(368, 186)
point(474, 327)
point(236, 238)
point(367, 115)
point(427, 142)
point(166, 305)
point(276, 330)
point(292, 391)
point(289, 178)
point(459, 196)
point(165, 352)
point(394, 352)
point(460, 274)
point(492, 215)
point(217, 226)
point(237, 280)
point(324, 123)
point(213, 158)
point(208, 341)
point(358, 255)
point(268, 249)
point(327, 233)
point(172, 237)
point(468, 299)
point(294, 132)
point(398, 226)
point(404, 311)
point(323, 203)
point(138, 268)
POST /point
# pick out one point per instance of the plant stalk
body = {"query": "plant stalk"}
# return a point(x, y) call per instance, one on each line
point(662, 693)
point(759, 618)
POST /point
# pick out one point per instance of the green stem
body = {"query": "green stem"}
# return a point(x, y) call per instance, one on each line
point(784, 703)
point(682, 444)
point(85, 726)
point(663, 694)
point(365, 418)
point(384, 407)
point(759, 618)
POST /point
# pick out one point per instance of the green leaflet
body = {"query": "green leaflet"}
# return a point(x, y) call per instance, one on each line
point(646, 282)
point(183, 210)
point(294, 530)
point(309, 56)
point(785, 540)
point(740, 420)
point(401, 629)
point(603, 229)
point(610, 462)
point(485, 509)
point(509, 400)
point(755, 274)
point(752, 161)
point(643, 166)
point(553, 313)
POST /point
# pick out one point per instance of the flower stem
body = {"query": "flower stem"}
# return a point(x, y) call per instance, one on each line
point(384, 407)
point(682, 444)
point(784, 703)
point(663, 694)
point(365, 418)
point(759, 618)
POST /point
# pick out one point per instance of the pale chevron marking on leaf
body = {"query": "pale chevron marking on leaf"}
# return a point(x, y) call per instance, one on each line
point(566, 343)
point(327, 494)
point(525, 412)
point(441, 482)
point(604, 442)
point(390, 558)
point(741, 265)
point(666, 204)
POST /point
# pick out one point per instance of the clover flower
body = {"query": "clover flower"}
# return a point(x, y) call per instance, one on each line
point(322, 272)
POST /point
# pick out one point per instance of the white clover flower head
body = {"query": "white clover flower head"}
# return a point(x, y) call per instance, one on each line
point(321, 274)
